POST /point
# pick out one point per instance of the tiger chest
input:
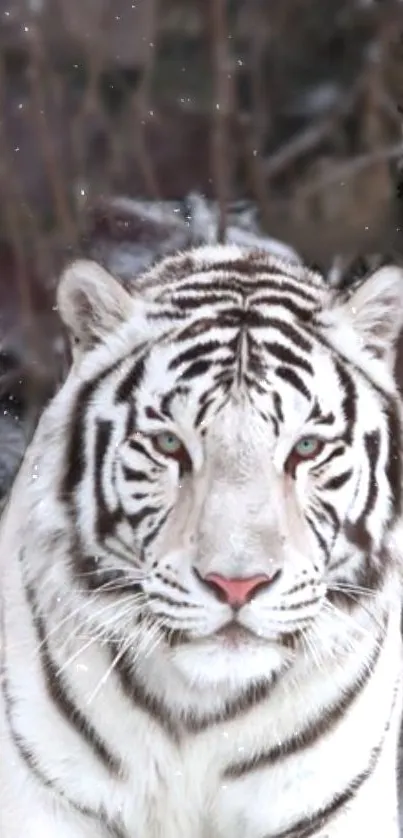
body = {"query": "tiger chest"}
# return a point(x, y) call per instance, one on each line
point(211, 786)
point(197, 791)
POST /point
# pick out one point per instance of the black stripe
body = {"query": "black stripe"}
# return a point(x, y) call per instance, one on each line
point(234, 708)
point(118, 547)
point(115, 830)
point(285, 301)
point(253, 318)
point(242, 317)
point(277, 404)
point(370, 576)
point(137, 693)
point(164, 314)
point(142, 450)
point(291, 377)
point(299, 586)
point(132, 474)
point(341, 562)
point(272, 419)
point(75, 453)
point(251, 266)
point(196, 369)
point(26, 752)
point(194, 352)
point(357, 531)
point(314, 730)
point(224, 380)
point(319, 537)
point(234, 289)
point(137, 518)
point(297, 606)
point(309, 827)
point(196, 329)
point(106, 580)
point(321, 418)
point(105, 520)
point(162, 714)
point(289, 332)
point(337, 452)
point(287, 356)
point(75, 450)
point(171, 582)
point(58, 691)
point(187, 273)
point(31, 761)
point(202, 412)
point(186, 301)
point(153, 532)
point(372, 444)
point(338, 481)
point(349, 400)
point(255, 357)
point(394, 463)
point(131, 381)
point(373, 569)
point(166, 600)
point(332, 515)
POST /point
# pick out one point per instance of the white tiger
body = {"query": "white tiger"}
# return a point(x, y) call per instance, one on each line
point(201, 562)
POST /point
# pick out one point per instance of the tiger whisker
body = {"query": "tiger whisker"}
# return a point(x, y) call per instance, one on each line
point(131, 576)
point(351, 588)
point(91, 616)
point(350, 622)
point(313, 649)
point(102, 634)
point(102, 681)
point(364, 607)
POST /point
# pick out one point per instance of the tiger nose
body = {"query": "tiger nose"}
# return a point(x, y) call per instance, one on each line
point(238, 591)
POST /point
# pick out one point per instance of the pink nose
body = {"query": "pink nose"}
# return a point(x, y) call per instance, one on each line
point(236, 592)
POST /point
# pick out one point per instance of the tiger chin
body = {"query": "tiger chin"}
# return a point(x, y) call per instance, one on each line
point(200, 570)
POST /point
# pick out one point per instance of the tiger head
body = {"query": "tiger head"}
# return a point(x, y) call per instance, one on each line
point(232, 468)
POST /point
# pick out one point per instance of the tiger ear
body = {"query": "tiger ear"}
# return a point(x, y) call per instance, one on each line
point(91, 303)
point(374, 312)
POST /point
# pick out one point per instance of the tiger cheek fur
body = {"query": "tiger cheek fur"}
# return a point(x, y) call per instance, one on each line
point(201, 562)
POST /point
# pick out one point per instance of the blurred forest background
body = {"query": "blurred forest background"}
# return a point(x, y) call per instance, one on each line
point(293, 105)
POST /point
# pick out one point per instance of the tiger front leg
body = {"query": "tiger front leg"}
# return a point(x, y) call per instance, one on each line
point(372, 813)
point(42, 824)
point(28, 810)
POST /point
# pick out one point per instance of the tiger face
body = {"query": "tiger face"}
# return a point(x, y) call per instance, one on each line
point(233, 463)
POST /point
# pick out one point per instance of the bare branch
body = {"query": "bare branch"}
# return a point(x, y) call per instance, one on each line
point(223, 110)
point(51, 162)
point(308, 139)
point(351, 168)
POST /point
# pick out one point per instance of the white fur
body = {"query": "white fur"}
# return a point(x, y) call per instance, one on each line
point(239, 516)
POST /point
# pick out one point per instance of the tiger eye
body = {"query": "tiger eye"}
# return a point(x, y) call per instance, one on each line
point(168, 444)
point(307, 448)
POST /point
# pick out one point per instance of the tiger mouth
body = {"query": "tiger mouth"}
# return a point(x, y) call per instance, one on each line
point(233, 634)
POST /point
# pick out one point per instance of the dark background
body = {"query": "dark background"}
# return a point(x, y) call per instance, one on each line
point(296, 105)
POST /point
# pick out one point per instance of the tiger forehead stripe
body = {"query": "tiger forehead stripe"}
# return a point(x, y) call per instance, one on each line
point(177, 269)
point(230, 285)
